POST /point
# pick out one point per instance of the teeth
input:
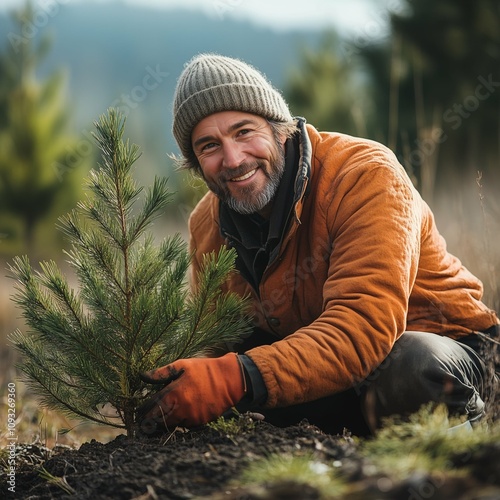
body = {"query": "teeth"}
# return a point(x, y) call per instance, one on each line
point(245, 176)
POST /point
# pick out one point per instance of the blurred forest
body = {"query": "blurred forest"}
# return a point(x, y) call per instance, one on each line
point(423, 78)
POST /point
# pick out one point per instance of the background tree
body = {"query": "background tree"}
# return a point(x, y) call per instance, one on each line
point(430, 90)
point(328, 91)
point(443, 68)
point(39, 178)
point(87, 348)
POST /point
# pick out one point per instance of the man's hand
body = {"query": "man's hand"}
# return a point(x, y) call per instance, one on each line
point(198, 391)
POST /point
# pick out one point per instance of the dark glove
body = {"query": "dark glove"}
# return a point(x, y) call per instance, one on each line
point(197, 391)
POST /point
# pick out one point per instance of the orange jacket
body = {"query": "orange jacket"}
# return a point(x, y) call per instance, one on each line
point(361, 263)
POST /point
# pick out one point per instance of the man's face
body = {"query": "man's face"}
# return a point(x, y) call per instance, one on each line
point(240, 159)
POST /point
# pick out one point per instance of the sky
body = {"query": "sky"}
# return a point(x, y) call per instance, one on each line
point(354, 17)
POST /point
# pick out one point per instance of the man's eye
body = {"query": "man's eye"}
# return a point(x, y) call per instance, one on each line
point(244, 131)
point(208, 146)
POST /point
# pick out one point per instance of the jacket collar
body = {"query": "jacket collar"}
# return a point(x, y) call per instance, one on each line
point(302, 180)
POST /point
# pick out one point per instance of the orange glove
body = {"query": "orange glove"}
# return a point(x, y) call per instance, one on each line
point(197, 391)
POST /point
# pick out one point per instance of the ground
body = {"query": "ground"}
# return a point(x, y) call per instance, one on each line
point(205, 463)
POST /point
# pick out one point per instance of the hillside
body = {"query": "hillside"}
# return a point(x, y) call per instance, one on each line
point(112, 52)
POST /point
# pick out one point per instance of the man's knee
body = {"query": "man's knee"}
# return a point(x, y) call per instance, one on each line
point(423, 368)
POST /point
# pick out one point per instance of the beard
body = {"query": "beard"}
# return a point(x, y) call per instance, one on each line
point(251, 200)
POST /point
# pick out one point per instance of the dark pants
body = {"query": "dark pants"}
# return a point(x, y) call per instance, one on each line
point(421, 368)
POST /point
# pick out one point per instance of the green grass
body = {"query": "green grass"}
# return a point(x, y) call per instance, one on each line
point(304, 470)
point(425, 443)
point(232, 427)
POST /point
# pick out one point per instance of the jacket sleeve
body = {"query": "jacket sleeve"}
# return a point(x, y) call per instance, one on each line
point(372, 216)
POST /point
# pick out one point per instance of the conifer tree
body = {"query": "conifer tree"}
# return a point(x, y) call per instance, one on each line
point(133, 311)
point(38, 176)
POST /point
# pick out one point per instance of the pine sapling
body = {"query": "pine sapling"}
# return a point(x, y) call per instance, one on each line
point(85, 348)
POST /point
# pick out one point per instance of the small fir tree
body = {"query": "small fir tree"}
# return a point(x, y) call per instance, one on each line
point(133, 311)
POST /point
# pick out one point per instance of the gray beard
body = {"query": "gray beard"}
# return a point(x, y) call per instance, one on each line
point(262, 199)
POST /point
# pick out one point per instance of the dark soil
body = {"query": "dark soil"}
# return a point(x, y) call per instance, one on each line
point(205, 463)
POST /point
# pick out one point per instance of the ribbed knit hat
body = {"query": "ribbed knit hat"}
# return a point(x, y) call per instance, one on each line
point(211, 83)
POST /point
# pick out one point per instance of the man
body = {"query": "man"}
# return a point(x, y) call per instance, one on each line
point(359, 310)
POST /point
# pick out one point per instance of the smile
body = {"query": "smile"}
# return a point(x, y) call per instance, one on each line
point(244, 176)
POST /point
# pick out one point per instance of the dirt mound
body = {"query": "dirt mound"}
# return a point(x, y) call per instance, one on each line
point(204, 463)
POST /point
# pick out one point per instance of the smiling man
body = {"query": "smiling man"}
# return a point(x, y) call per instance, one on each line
point(359, 310)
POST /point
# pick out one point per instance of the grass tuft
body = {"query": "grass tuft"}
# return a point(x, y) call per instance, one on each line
point(299, 470)
point(60, 482)
point(428, 442)
point(232, 427)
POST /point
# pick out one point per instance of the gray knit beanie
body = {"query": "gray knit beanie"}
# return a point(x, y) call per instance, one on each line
point(211, 83)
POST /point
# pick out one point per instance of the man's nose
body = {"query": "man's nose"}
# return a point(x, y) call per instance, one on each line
point(233, 156)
